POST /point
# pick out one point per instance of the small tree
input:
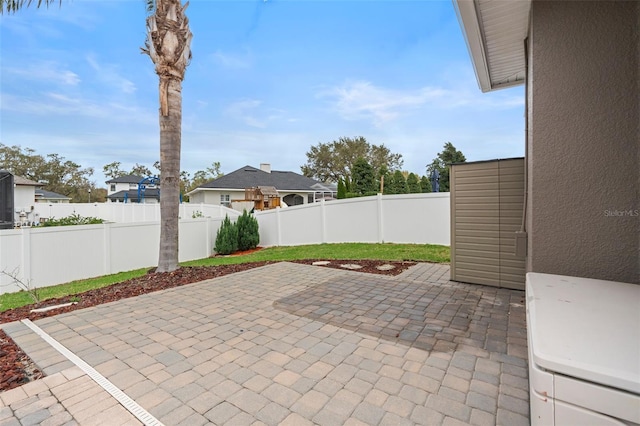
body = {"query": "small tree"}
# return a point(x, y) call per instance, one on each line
point(227, 237)
point(414, 184)
point(399, 183)
point(425, 184)
point(342, 189)
point(248, 235)
point(442, 162)
point(363, 176)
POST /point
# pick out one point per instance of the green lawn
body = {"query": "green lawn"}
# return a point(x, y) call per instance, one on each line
point(390, 252)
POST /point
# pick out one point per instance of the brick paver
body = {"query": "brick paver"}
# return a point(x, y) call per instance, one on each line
point(290, 344)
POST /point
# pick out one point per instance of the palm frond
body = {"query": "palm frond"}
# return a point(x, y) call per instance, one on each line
point(12, 6)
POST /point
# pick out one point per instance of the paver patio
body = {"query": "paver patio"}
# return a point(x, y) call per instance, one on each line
point(288, 344)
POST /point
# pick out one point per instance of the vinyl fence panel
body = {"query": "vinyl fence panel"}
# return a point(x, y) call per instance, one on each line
point(45, 256)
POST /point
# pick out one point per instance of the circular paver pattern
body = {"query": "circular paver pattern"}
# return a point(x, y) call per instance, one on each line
point(385, 267)
point(351, 266)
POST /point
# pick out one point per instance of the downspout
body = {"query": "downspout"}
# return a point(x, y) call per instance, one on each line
point(521, 235)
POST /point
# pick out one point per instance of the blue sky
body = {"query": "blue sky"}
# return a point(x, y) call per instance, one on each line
point(268, 80)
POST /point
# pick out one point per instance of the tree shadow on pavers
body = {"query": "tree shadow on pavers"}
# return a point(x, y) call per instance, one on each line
point(429, 316)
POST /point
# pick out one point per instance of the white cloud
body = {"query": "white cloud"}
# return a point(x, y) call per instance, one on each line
point(244, 111)
point(60, 104)
point(248, 111)
point(45, 72)
point(363, 100)
point(233, 60)
point(109, 75)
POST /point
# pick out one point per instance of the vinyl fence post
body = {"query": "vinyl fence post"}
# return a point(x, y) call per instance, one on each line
point(207, 240)
point(380, 219)
point(106, 241)
point(278, 226)
point(26, 256)
point(323, 225)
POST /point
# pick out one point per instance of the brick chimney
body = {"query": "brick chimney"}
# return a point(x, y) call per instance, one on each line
point(265, 167)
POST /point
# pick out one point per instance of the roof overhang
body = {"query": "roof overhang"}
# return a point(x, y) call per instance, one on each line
point(495, 31)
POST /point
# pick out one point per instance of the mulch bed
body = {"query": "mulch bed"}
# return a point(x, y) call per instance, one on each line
point(16, 368)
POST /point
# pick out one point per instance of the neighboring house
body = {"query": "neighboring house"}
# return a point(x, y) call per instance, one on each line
point(581, 71)
point(125, 189)
point(28, 192)
point(24, 197)
point(50, 197)
point(293, 188)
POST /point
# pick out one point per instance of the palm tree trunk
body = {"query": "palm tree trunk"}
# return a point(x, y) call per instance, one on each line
point(168, 45)
point(170, 143)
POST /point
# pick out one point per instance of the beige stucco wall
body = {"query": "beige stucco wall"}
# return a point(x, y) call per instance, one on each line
point(212, 196)
point(583, 142)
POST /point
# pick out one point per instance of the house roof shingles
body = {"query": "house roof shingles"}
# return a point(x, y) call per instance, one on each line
point(132, 194)
point(50, 195)
point(19, 180)
point(249, 177)
point(126, 179)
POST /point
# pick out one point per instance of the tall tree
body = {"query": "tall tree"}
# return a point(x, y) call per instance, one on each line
point(425, 184)
point(53, 171)
point(442, 163)
point(328, 162)
point(199, 178)
point(342, 189)
point(113, 170)
point(203, 176)
point(141, 170)
point(413, 184)
point(168, 45)
point(399, 183)
point(363, 177)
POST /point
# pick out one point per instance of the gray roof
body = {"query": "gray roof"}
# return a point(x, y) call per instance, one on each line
point(249, 177)
point(19, 180)
point(50, 195)
point(132, 194)
point(126, 179)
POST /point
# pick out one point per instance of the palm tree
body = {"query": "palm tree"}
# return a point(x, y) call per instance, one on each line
point(168, 45)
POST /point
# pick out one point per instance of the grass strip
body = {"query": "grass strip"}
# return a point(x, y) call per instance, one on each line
point(344, 251)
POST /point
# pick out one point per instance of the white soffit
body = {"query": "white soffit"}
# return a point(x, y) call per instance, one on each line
point(495, 31)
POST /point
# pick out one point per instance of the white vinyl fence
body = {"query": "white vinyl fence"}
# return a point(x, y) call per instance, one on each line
point(44, 256)
point(121, 212)
point(410, 218)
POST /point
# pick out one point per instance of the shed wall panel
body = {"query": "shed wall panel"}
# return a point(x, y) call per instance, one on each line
point(486, 211)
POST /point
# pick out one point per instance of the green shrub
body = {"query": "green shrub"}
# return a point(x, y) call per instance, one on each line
point(74, 219)
point(413, 184)
point(342, 189)
point(227, 237)
point(248, 235)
